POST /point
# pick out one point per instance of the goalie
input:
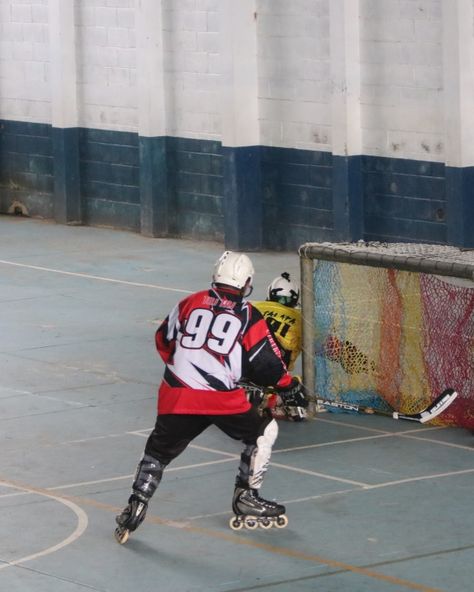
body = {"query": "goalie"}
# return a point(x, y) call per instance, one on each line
point(283, 317)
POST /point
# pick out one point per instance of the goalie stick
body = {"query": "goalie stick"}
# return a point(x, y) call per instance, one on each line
point(442, 402)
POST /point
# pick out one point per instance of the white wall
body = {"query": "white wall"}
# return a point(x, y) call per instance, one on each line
point(25, 82)
point(106, 64)
point(294, 73)
point(192, 46)
point(402, 109)
point(402, 78)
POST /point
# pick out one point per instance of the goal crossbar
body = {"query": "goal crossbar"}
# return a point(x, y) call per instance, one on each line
point(434, 259)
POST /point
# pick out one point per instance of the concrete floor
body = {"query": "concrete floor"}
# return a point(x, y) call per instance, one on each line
point(374, 505)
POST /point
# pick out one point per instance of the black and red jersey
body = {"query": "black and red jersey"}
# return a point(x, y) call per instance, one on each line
point(209, 342)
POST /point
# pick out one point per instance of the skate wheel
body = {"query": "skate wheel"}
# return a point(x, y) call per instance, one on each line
point(235, 523)
point(121, 536)
point(266, 523)
point(281, 521)
point(251, 522)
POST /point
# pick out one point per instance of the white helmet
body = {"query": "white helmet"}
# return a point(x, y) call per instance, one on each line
point(283, 290)
point(234, 269)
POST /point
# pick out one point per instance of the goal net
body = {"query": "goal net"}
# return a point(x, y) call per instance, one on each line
point(389, 325)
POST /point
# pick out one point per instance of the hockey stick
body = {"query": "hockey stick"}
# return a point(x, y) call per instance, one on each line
point(442, 402)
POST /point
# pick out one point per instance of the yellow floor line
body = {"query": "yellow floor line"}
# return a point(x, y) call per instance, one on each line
point(239, 540)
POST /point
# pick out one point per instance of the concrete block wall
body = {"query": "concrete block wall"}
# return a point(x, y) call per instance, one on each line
point(107, 114)
point(106, 64)
point(402, 119)
point(294, 85)
point(25, 81)
point(262, 123)
point(192, 77)
point(402, 79)
point(109, 178)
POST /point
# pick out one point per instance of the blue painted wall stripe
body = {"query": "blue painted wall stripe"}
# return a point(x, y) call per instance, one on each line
point(460, 206)
point(297, 197)
point(404, 200)
point(251, 197)
point(243, 208)
point(154, 186)
point(348, 209)
point(67, 191)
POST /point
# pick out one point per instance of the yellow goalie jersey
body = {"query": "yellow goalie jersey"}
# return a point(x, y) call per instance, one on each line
point(285, 324)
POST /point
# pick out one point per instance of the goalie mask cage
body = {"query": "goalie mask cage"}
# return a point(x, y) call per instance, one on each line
point(389, 325)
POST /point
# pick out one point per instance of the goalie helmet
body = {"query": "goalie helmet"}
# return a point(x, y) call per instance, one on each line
point(284, 291)
point(234, 269)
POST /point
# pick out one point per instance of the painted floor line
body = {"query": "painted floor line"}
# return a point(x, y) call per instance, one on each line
point(82, 522)
point(233, 538)
point(214, 451)
point(452, 444)
point(421, 478)
point(360, 486)
point(349, 425)
point(94, 277)
point(331, 443)
point(356, 426)
point(317, 474)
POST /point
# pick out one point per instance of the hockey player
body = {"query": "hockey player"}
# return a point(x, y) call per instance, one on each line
point(209, 342)
point(283, 317)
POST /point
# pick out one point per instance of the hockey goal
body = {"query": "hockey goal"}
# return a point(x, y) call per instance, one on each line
point(389, 326)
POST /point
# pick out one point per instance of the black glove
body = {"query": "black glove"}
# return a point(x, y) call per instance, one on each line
point(292, 395)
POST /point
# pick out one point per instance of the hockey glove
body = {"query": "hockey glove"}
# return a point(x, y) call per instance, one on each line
point(293, 394)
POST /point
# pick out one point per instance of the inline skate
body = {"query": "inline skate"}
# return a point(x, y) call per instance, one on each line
point(252, 511)
point(130, 518)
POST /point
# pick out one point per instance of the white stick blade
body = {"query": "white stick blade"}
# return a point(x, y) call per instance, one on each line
point(444, 402)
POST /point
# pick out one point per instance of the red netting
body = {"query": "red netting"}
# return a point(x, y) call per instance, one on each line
point(448, 335)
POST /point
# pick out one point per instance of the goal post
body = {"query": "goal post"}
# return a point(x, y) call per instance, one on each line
point(389, 325)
